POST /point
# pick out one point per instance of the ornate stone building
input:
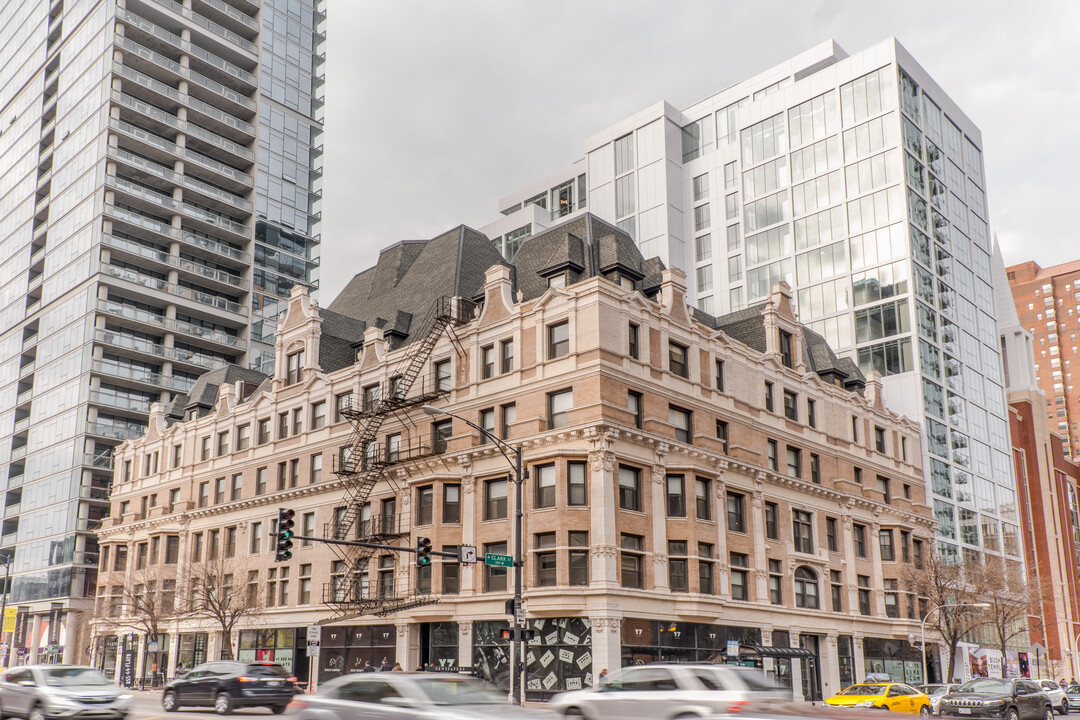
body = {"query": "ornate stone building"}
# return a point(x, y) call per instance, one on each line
point(697, 486)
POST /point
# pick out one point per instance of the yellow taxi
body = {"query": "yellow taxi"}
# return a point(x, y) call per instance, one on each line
point(885, 696)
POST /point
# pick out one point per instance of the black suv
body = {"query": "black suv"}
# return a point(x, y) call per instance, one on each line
point(997, 698)
point(229, 684)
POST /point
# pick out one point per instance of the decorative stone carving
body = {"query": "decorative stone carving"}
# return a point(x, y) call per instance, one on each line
point(761, 574)
point(465, 629)
point(402, 628)
point(465, 461)
point(601, 460)
point(468, 482)
point(758, 500)
point(660, 559)
point(604, 550)
point(605, 624)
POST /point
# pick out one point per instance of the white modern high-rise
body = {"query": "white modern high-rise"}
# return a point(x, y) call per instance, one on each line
point(858, 181)
point(159, 192)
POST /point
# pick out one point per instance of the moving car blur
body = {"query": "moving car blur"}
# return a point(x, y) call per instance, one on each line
point(1058, 698)
point(51, 692)
point(660, 691)
point(897, 697)
point(228, 684)
point(408, 696)
point(935, 692)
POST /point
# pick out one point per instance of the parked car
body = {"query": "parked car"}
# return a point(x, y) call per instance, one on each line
point(935, 692)
point(1058, 697)
point(228, 684)
point(885, 696)
point(997, 698)
point(45, 692)
point(662, 691)
point(409, 696)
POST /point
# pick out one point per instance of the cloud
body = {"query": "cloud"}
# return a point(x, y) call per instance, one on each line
point(435, 110)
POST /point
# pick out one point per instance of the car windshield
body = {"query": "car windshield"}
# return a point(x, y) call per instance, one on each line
point(864, 690)
point(986, 685)
point(933, 689)
point(267, 670)
point(62, 676)
point(459, 691)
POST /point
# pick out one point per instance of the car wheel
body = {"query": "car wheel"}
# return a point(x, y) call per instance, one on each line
point(278, 709)
point(168, 702)
point(687, 716)
point(1012, 714)
point(924, 711)
point(1065, 706)
point(573, 712)
point(1049, 714)
point(223, 704)
point(36, 713)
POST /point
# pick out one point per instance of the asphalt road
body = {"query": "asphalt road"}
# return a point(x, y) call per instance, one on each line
point(147, 706)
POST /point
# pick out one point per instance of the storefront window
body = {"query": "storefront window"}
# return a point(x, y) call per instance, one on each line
point(491, 654)
point(559, 657)
point(646, 641)
point(192, 650)
point(346, 649)
point(845, 656)
point(901, 660)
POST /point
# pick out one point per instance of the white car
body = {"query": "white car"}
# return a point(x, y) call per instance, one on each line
point(1056, 693)
point(665, 692)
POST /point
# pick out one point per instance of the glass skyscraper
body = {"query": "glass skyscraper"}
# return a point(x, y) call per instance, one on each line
point(860, 183)
point(158, 193)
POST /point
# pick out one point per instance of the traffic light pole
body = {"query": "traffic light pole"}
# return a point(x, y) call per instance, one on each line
point(377, 546)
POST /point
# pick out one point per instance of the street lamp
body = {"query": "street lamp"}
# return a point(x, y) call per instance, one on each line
point(927, 617)
point(517, 684)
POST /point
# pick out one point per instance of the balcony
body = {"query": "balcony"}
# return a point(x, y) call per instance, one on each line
point(196, 133)
point(208, 298)
point(227, 69)
point(219, 222)
point(135, 317)
point(145, 87)
point(227, 13)
point(218, 251)
point(152, 117)
point(116, 431)
point(141, 225)
point(244, 180)
point(205, 334)
point(142, 376)
point(147, 142)
point(133, 276)
point(224, 122)
point(119, 401)
point(207, 24)
point(231, 281)
point(216, 194)
point(101, 461)
point(137, 165)
point(136, 195)
point(184, 356)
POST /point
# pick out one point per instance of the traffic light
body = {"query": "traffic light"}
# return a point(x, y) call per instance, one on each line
point(423, 551)
point(284, 534)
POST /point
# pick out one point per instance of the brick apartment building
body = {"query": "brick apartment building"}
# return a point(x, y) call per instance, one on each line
point(693, 480)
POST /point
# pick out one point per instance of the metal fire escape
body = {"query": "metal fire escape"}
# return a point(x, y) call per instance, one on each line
point(363, 463)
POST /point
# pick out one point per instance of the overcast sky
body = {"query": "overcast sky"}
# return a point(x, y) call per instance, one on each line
point(435, 110)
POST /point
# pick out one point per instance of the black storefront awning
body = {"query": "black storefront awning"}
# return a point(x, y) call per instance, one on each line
point(775, 652)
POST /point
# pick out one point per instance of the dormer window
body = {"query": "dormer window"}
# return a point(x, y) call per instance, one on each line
point(785, 349)
point(557, 281)
point(294, 363)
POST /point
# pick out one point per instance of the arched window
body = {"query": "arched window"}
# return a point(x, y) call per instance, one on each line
point(806, 588)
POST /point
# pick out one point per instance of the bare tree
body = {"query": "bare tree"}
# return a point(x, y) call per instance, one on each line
point(218, 591)
point(947, 596)
point(146, 604)
point(1009, 600)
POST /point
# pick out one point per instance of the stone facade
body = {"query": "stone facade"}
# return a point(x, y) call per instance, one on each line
point(662, 495)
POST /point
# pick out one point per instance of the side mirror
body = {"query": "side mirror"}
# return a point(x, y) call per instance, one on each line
point(401, 702)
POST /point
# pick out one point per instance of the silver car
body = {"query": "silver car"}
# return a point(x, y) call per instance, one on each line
point(936, 691)
point(54, 692)
point(659, 692)
point(408, 696)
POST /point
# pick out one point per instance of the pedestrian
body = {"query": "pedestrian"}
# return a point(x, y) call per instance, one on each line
point(179, 670)
point(397, 667)
point(603, 676)
point(1062, 682)
point(367, 667)
point(386, 666)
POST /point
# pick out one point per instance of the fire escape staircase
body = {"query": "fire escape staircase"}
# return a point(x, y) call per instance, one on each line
point(363, 462)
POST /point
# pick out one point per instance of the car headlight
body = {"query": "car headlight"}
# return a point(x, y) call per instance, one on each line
point(993, 703)
point(123, 699)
